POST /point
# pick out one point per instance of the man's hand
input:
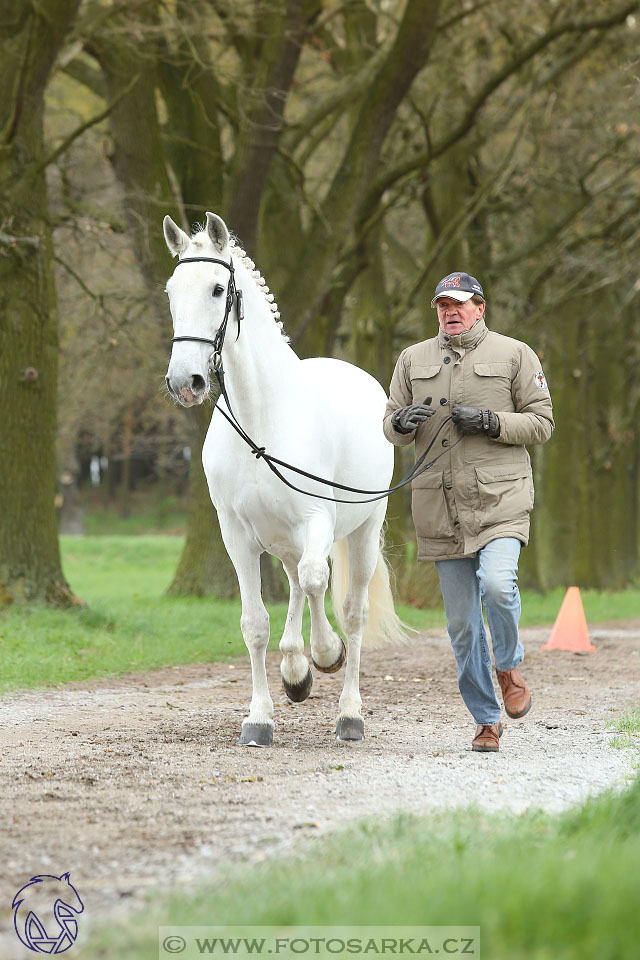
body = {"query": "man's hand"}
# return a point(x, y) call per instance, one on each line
point(470, 420)
point(408, 419)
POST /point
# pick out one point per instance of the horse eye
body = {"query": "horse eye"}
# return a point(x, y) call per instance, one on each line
point(217, 290)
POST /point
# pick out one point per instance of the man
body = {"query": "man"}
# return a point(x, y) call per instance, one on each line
point(471, 508)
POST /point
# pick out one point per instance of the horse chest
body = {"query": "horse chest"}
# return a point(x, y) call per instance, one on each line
point(258, 503)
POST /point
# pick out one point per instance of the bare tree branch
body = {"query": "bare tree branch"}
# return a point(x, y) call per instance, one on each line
point(509, 69)
point(344, 91)
point(98, 118)
point(587, 199)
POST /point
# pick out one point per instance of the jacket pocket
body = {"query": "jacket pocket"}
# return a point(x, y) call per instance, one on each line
point(429, 507)
point(423, 381)
point(421, 371)
point(491, 386)
point(499, 368)
point(505, 493)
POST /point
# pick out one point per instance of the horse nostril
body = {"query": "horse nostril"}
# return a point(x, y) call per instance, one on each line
point(197, 383)
point(168, 383)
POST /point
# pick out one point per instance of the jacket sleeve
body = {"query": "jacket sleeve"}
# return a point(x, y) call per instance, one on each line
point(400, 395)
point(532, 421)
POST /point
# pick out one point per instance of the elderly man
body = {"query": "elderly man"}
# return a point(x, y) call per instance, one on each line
point(471, 509)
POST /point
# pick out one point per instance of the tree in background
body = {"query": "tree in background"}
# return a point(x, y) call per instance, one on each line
point(29, 556)
point(143, 57)
point(385, 144)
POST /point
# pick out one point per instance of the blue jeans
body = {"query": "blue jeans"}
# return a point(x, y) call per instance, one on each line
point(492, 577)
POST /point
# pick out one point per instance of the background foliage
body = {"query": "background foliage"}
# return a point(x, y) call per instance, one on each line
point(360, 150)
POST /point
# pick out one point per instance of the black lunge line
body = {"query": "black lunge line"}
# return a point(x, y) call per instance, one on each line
point(260, 452)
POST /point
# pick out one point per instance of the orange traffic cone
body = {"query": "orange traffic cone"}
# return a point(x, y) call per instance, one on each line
point(570, 629)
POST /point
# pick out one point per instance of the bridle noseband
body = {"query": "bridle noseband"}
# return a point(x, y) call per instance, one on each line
point(232, 294)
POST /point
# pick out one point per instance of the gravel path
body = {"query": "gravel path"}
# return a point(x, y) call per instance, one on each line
point(138, 782)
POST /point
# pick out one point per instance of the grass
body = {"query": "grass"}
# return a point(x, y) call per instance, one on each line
point(149, 514)
point(599, 605)
point(628, 731)
point(130, 625)
point(539, 887)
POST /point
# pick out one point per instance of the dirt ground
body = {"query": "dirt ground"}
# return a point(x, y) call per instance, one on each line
point(138, 782)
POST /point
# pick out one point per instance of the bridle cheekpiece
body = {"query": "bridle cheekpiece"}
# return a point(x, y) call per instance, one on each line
point(233, 294)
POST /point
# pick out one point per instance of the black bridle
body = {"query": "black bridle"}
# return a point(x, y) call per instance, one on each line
point(260, 452)
point(232, 294)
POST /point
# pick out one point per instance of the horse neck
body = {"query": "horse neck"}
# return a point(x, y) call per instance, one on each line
point(258, 361)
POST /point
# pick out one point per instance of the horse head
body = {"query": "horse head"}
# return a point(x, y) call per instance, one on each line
point(200, 302)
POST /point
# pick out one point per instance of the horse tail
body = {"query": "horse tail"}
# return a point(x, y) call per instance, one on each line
point(383, 625)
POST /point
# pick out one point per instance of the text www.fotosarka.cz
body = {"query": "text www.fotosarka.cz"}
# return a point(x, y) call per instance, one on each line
point(288, 942)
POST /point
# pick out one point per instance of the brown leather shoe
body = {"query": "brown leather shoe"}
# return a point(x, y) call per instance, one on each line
point(487, 738)
point(515, 692)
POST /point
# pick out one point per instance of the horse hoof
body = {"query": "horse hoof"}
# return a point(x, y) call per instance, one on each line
point(299, 691)
point(256, 735)
point(333, 667)
point(350, 728)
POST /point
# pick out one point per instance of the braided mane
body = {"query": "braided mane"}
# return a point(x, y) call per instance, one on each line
point(261, 283)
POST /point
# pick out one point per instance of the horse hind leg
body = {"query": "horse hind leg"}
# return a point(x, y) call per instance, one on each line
point(297, 678)
point(363, 546)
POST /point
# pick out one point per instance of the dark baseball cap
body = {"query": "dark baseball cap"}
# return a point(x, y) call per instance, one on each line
point(458, 286)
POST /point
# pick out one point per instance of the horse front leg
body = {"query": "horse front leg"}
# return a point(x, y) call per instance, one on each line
point(257, 727)
point(297, 678)
point(327, 648)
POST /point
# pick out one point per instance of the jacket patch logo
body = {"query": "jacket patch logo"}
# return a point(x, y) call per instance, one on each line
point(451, 282)
point(541, 380)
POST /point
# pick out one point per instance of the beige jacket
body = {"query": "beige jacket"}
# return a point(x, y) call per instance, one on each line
point(480, 488)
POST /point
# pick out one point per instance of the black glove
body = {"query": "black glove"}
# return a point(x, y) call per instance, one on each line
point(407, 419)
point(470, 420)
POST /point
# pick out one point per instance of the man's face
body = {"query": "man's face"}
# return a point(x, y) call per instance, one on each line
point(455, 317)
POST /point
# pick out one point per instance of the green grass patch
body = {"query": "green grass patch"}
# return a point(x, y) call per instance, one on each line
point(130, 625)
point(539, 887)
point(539, 609)
point(150, 512)
point(628, 732)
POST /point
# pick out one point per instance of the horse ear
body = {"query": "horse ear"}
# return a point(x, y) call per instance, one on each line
point(177, 240)
point(218, 233)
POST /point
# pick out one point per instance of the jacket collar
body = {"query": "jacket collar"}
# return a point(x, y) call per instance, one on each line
point(466, 340)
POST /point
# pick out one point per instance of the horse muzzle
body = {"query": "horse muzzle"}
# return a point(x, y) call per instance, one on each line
point(188, 391)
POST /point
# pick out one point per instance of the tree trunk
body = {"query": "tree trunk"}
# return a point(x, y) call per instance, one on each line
point(329, 230)
point(30, 568)
point(192, 135)
point(204, 568)
point(284, 28)
point(125, 474)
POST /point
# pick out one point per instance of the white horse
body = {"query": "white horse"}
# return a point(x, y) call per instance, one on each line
point(322, 415)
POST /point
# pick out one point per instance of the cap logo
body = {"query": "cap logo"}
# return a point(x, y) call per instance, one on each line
point(451, 282)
